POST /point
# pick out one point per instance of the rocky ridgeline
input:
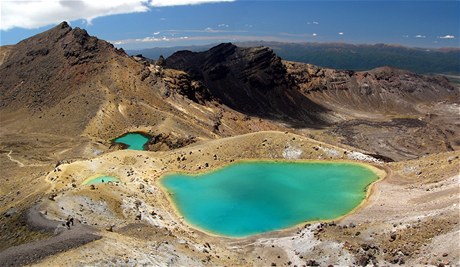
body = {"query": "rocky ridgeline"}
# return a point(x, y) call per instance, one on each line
point(250, 80)
point(375, 90)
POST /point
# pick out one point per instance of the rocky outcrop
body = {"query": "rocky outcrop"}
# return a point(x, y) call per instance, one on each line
point(383, 89)
point(165, 142)
point(181, 83)
point(251, 80)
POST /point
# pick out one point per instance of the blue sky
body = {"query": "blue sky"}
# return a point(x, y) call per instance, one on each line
point(146, 23)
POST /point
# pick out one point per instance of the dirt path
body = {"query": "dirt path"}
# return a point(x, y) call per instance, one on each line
point(14, 160)
point(65, 239)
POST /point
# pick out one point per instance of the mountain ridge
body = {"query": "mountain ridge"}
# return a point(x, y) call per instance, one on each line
point(346, 56)
point(119, 92)
point(251, 80)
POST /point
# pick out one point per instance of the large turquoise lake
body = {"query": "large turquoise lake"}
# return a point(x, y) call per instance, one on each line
point(248, 198)
point(135, 141)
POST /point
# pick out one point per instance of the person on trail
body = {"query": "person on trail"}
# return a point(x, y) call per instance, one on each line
point(69, 221)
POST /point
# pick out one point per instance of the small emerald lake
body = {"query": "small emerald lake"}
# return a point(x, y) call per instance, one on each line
point(248, 198)
point(135, 141)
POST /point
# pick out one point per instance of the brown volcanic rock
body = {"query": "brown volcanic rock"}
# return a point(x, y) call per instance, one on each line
point(65, 82)
point(250, 80)
point(382, 90)
point(394, 113)
point(47, 67)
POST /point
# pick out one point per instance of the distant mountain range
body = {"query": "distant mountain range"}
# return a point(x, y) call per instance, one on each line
point(345, 56)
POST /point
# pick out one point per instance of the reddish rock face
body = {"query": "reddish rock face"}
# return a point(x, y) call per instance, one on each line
point(49, 66)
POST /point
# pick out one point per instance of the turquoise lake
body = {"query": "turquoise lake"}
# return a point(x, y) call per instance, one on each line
point(248, 198)
point(135, 141)
point(102, 179)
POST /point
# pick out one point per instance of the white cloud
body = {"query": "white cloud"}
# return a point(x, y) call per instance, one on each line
point(206, 30)
point(156, 33)
point(405, 36)
point(341, 33)
point(420, 36)
point(447, 37)
point(315, 22)
point(39, 13)
point(143, 42)
point(161, 3)
point(223, 25)
point(314, 34)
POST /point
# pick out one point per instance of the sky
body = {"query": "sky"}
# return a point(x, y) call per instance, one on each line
point(137, 24)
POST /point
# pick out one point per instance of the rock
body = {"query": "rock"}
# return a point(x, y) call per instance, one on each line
point(141, 186)
point(312, 263)
point(160, 61)
point(393, 237)
point(362, 260)
point(52, 196)
point(163, 142)
point(92, 187)
point(109, 228)
point(10, 212)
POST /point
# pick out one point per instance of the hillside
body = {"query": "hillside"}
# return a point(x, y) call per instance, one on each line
point(65, 95)
point(254, 81)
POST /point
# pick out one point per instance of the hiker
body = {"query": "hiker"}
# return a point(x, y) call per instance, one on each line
point(69, 221)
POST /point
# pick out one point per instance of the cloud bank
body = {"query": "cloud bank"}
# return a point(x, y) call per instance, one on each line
point(39, 13)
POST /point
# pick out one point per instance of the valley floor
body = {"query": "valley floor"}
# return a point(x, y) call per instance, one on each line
point(411, 216)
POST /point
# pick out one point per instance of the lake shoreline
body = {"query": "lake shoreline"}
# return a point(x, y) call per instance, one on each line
point(378, 170)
